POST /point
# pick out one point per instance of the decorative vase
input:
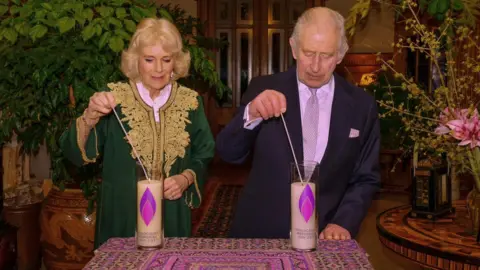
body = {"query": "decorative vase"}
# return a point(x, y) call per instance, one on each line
point(67, 231)
point(473, 208)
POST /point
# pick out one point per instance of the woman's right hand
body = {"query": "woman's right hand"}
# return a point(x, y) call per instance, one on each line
point(101, 103)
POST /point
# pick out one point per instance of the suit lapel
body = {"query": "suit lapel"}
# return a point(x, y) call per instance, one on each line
point(293, 115)
point(342, 109)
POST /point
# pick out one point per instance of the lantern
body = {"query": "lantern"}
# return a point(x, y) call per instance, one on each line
point(432, 189)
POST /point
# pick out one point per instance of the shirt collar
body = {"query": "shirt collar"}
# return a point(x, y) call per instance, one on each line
point(327, 88)
point(145, 94)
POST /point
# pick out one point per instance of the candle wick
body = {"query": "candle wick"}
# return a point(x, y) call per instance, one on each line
point(131, 144)
point(291, 148)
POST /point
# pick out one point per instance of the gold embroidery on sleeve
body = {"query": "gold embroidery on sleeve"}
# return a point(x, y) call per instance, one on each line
point(85, 158)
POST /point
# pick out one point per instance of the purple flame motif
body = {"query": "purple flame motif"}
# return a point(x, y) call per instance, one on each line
point(306, 203)
point(147, 206)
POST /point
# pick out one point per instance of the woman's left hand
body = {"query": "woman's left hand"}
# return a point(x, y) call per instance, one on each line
point(174, 186)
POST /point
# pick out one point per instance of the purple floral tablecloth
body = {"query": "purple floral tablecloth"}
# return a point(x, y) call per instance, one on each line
point(227, 253)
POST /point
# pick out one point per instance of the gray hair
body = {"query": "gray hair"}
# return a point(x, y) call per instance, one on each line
point(311, 16)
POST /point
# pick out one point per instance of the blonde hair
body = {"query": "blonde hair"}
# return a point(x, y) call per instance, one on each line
point(156, 31)
point(313, 15)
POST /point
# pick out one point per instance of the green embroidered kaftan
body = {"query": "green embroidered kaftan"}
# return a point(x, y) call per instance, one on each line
point(181, 141)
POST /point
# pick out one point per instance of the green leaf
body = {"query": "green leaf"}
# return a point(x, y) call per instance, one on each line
point(50, 22)
point(443, 6)
point(123, 34)
point(40, 14)
point(15, 9)
point(165, 14)
point(121, 13)
point(136, 15)
point(3, 10)
point(68, 6)
point(65, 24)
point(79, 18)
point(78, 7)
point(6, 21)
point(38, 31)
point(432, 7)
point(117, 3)
point(116, 44)
point(23, 28)
point(457, 5)
point(98, 30)
point(16, 2)
point(115, 22)
point(105, 11)
point(87, 14)
point(130, 25)
point(103, 39)
point(47, 6)
point(88, 32)
point(10, 34)
point(26, 11)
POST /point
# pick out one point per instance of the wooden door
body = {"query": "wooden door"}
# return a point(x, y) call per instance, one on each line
point(257, 32)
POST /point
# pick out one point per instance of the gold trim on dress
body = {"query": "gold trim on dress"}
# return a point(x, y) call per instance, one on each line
point(86, 160)
point(140, 127)
point(158, 144)
point(177, 139)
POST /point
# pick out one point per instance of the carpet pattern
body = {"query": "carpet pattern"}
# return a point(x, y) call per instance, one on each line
point(215, 220)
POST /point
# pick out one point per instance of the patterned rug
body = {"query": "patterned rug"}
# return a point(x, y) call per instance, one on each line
point(218, 208)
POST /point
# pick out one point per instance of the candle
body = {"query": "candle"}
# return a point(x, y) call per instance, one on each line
point(149, 214)
point(304, 228)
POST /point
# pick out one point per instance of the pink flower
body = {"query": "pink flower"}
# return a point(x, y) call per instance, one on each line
point(464, 127)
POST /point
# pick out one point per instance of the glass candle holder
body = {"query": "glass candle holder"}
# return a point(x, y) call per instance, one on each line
point(304, 218)
point(150, 224)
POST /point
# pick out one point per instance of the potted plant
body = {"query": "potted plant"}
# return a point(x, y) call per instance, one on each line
point(54, 56)
point(445, 118)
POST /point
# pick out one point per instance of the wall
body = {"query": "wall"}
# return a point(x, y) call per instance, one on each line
point(190, 6)
point(377, 35)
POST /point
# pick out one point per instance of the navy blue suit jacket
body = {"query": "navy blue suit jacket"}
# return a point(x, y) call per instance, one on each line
point(349, 170)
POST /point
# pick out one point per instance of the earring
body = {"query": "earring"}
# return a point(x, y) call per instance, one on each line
point(171, 75)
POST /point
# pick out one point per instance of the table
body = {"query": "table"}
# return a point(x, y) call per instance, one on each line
point(227, 253)
point(446, 243)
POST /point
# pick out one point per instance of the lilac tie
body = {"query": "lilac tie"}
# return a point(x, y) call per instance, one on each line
point(310, 126)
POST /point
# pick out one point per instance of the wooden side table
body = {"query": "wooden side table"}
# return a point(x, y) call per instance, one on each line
point(446, 243)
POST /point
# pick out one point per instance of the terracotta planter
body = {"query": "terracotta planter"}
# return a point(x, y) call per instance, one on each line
point(67, 231)
point(25, 219)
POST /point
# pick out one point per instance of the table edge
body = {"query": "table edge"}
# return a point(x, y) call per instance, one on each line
point(382, 232)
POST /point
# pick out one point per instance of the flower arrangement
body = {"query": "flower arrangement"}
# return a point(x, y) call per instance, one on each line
point(464, 126)
point(441, 117)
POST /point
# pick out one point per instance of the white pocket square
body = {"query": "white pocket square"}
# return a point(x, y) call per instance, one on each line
point(354, 133)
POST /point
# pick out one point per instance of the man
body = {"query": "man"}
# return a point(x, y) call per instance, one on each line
point(345, 142)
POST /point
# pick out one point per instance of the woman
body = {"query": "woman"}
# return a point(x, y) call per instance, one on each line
point(166, 124)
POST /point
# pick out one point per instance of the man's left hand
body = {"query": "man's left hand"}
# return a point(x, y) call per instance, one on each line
point(333, 231)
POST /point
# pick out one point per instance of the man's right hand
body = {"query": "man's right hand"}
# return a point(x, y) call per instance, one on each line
point(268, 104)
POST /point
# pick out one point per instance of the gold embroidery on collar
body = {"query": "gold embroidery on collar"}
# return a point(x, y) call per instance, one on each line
point(138, 120)
point(142, 130)
point(176, 119)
